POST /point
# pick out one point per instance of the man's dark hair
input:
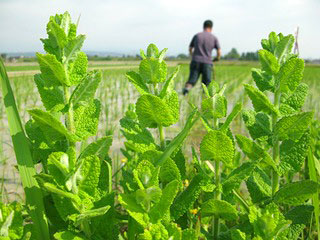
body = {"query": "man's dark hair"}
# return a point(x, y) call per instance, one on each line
point(208, 24)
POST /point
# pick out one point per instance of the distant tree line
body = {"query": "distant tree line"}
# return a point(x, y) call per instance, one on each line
point(245, 56)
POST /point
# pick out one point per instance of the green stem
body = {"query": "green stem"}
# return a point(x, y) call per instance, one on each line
point(242, 201)
point(161, 135)
point(276, 145)
point(217, 196)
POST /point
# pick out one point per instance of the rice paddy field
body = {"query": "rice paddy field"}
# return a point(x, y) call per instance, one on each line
point(116, 93)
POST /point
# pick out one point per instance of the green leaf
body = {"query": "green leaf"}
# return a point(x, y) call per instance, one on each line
point(137, 81)
point(296, 193)
point(238, 175)
point(217, 146)
point(258, 124)
point(301, 214)
point(99, 148)
point(172, 101)
point(89, 214)
point(152, 51)
point(86, 119)
point(293, 126)
point(263, 81)
point(293, 154)
point(259, 100)
point(146, 175)
point(52, 70)
point(85, 91)
point(189, 234)
point(214, 107)
point(50, 122)
point(153, 71)
point(128, 201)
point(90, 171)
point(259, 186)
point(296, 99)
point(61, 193)
point(252, 150)
point(159, 210)
point(51, 97)
point(219, 208)
point(178, 140)
point(11, 221)
point(234, 113)
point(268, 62)
point(284, 47)
point(184, 201)
point(236, 234)
point(168, 85)
point(153, 111)
point(68, 235)
point(77, 68)
point(169, 172)
point(290, 74)
point(273, 41)
point(73, 47)
point(162, 54)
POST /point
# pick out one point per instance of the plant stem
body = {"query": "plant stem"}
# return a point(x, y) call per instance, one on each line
point(242, 201)
point(161, 135)
point(217, 196)
point(276, 147)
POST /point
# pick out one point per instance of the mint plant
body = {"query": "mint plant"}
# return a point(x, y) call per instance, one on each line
point(78, 184)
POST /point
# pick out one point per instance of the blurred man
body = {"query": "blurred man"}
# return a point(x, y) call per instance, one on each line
point(200, 49)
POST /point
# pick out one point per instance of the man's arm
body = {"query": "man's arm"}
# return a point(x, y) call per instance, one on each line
point(190, 51)
point(218, 53)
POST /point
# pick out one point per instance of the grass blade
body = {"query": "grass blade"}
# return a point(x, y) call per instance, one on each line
point(24, 159)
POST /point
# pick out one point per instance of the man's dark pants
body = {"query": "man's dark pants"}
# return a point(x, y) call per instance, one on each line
point(196, 69)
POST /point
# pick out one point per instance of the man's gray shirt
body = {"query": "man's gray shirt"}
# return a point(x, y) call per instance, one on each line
point(203, 44)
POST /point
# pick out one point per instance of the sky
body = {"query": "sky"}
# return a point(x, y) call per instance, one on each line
point(125, 26)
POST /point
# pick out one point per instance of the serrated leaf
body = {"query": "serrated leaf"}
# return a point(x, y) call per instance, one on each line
point(99, 148)
point(296, 193)
point(51, 122)
point(219, 208)
point(259, 100)
point(85, 91)
point(168, 84)
point(73, 47)
point(253, 150)
point(296, 100)
point(284, 47)
point(263, 81)
point(238, 175)
point(137, 81)
point(217, 146)
point(185, 200)
point(293, 154)
point(51, 97)
point(236, 234)
point(258, 124)
point(172, 101)
point(214, 107)
point(52, 70)
point(153, 71)
point(90, 172)
point(89, 214)
point(234, 113)
point(169, 172)
point(128, 201)
point(86, 119)
point(293, 126)
point(268, 62)
point(77, 69)
point(158, 211)
point(301, 214)
point(152, 112)
point(259, 186)
point(290, 74)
